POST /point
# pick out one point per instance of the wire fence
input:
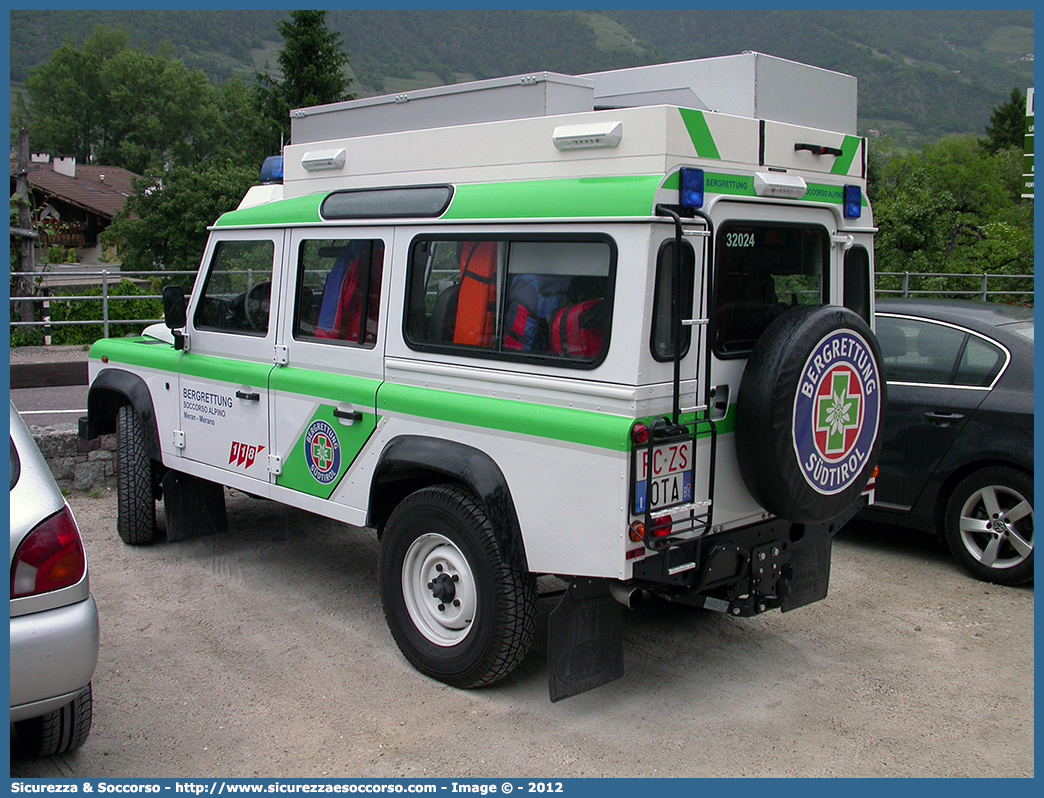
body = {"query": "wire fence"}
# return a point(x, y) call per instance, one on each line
point(53, 297)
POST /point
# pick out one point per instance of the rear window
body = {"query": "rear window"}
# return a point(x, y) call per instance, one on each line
point(528, 298)
point(761, 270)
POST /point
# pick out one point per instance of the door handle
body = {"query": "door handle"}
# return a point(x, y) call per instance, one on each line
point(250, 397)
point(941, 419)
point(348, 415)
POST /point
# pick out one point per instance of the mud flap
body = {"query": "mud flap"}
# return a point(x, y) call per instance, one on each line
point(809, 575)
point(194, 507)
point(585, 640)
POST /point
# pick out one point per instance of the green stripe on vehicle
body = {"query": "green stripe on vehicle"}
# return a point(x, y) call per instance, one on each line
point(696, 124)
point(565, 424)
point(222, 369)
point(137, 351)
point(586, 197)
point(297, 210)
point(849, 148)
point(321, 385)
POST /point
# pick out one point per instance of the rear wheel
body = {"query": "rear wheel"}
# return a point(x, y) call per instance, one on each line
point(57, 732)
point(458, 599)
point(135, 497)
point(989, 525)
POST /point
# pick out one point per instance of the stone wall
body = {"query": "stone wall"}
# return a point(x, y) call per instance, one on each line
point(78, 464)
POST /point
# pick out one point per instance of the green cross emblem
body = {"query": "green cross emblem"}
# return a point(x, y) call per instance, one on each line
point(837, 412)
point(322, 452)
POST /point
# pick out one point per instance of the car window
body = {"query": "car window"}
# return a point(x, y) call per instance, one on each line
point(919, 351)
point(980, 363)
point(338, 291)
point(662, 343)
point(763, 269)
point(516, 298)
point(857, 282)
point(237, 294)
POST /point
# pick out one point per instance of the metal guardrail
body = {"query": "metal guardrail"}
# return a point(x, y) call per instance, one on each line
point(106, 278)
point(982, 292)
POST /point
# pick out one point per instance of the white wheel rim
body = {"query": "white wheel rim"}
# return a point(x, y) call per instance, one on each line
point(996, 526)
point(439, 590)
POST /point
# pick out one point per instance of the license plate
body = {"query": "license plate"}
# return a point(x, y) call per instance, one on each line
point(670, 480)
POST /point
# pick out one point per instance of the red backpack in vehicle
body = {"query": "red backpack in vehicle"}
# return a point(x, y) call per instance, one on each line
point(579, 330)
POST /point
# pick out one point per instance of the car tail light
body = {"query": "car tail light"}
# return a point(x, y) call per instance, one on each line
point(640, 434)
point(661, 528)
point(50, 558)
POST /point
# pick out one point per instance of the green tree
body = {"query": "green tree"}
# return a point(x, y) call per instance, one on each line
point(164, 226)
point(313, 65)
point(106, 102)
point(1007, 127)
point(953, 208)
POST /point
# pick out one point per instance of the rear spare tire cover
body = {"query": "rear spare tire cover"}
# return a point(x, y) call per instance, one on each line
point(808, 413)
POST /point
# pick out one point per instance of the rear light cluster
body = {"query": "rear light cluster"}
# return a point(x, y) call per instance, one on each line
point(661, 528)
point(51, 557)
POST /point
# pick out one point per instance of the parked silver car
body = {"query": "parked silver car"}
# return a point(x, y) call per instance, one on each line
point(54, 621)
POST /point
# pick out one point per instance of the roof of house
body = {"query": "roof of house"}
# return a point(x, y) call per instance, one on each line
point(101, 189)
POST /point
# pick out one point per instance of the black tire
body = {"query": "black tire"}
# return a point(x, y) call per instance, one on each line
point(800, 460)
point(989, 525)
point(439, 549)
point(57, 732)
point(135, 497)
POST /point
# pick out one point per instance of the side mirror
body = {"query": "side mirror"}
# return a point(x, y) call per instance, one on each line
point(174, 306)
point(174, 314)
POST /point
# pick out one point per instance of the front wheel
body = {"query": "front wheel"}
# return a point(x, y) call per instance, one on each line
point(458, 598)
point(989, 525)
point(135, 497)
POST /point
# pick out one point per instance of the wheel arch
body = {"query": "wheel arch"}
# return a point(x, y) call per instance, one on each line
point(411, 462)
point(109, 391)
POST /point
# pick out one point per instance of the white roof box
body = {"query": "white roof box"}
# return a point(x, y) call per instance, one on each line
point(516, 97)
point(749, 84)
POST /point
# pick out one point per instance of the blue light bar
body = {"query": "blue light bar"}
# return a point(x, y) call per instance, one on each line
point(690, 187)
point(853, 202)
point(272, 170)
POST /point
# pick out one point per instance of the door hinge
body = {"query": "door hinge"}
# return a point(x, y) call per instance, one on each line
point(281, 355)
point(179, 439)
point(275, 464)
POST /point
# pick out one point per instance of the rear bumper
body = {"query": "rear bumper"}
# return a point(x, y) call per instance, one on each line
point(53, 656)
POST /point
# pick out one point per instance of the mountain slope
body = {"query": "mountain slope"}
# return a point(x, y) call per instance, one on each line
point(922, 74)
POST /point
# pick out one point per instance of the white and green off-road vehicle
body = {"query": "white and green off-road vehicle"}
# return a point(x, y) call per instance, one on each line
point(614, 328)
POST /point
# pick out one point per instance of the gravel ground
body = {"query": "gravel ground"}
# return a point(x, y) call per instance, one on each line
point(264, 652)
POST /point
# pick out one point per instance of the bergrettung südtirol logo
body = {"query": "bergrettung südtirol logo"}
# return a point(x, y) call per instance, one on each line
point(837, 411)
point(322, 452)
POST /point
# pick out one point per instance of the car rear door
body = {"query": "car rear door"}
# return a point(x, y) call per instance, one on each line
point(938, 374)
point(325, 386)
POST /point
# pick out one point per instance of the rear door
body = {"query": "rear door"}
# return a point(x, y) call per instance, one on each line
point(331, 356)
point(938, 375)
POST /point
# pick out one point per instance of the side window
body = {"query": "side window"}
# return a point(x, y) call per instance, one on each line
point(980, 363)
point(662, 343)
point(521, 298)
point(919, 351)
point(237, 294)
point(857, 282)
point(338, 290)
point(762, 269)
